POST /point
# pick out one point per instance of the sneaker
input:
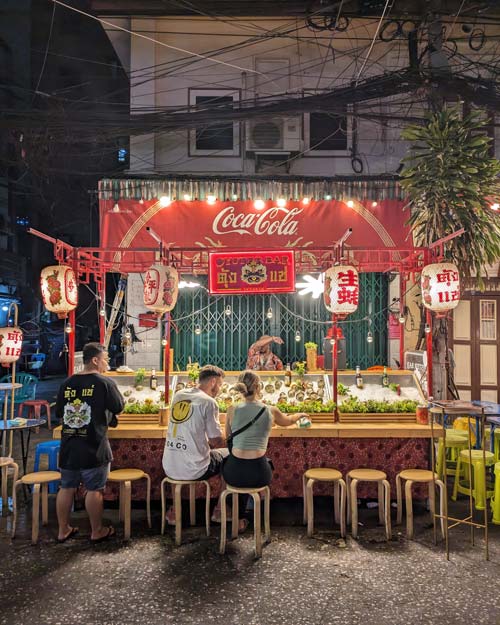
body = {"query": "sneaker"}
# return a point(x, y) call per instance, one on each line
point(170, 516)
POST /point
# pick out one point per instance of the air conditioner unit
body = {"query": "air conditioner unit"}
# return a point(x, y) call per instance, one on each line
point(274, 135)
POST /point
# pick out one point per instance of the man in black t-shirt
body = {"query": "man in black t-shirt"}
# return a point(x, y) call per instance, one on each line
point(86, 404)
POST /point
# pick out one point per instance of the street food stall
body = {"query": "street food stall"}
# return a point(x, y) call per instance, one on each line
point(265, 246)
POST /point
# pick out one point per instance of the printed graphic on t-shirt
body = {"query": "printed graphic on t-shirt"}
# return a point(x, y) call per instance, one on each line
point(181, 411)
point(77, 414)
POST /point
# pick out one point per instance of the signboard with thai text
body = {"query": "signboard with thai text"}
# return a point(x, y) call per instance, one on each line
point(251, 272)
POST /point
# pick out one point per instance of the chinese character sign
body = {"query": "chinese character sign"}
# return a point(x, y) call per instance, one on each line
point(11, 341)
point(161, 288)
point(440, 284)
point(341, 294)
point(252, 272)
point(59, 289)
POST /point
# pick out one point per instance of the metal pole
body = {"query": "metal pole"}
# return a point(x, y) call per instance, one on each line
point(166, 357)
point(71, 342)
point(334, 365)
point(402, 290)
point(102, 318)
point(428, 345)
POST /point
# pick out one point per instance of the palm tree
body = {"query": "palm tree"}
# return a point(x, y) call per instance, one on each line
point(452, 182)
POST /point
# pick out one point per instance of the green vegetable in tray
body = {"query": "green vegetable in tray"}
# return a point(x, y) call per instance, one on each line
point(353, 405)
point(142, 407)
point(342, 389)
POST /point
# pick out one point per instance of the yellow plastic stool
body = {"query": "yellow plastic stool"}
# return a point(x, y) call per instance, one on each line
point(339, 496)
point(450, 449)
point(479, 491)
point(496, 445)
point(125, 477)
point(495, 500)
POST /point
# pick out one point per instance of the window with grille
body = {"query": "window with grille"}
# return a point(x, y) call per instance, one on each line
point(214, 139)
point(488, 319)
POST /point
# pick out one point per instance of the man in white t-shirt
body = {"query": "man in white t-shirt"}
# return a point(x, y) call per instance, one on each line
point(194, 446)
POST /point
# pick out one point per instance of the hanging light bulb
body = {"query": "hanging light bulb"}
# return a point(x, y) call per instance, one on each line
point(68, 329)
point(269, 313)
point(228, 311)
point(116, 208)
point(186, 197)
point(165, 201)
point(328, 197)
point(306, 200)
point(369, 337)
point(281, 202)
point(197, 330)
point(332, 342)
point(401, 318)
point(234, 197)
point(65, 349)
point(374, 204)
point(427, 328)
point(211, 199)
point(297, 336)
point(102, 312)
point(141, 201)
point(350, 203)
point(164, 342)
point(259, 204)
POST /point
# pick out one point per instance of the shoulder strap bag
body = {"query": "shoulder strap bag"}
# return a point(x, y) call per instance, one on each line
point(245, 427)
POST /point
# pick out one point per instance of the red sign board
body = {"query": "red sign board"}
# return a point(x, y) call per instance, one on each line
point(252, 272)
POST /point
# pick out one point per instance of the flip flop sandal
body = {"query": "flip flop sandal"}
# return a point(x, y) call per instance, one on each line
point(111, 532)
point(73, 532)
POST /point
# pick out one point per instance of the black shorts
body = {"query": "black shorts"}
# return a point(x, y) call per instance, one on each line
point(217, 457)
point(243, 473)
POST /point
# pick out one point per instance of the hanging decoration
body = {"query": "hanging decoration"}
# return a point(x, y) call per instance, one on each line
point(341, 294)
point(440, 284)
point(59, 289)
point(161, 288)
point(11, 340)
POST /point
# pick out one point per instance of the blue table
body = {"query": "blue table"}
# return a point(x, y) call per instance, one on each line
point(492, 412)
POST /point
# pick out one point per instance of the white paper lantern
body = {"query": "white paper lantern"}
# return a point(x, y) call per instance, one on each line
point(341, 294)
point(161, 288)
point(11, 341)
point(440, 284)
point(59, 289)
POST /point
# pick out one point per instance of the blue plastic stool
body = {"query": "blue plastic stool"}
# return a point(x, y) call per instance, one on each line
point(50, 449)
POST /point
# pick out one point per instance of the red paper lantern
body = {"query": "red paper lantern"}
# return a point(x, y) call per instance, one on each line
point(59, 289)
point(161, 288)
point(440, 284)
point(341, 293)
point(11, 341)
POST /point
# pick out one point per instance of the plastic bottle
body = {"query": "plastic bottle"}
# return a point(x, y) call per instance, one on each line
point(288, 375)
point(385, 378)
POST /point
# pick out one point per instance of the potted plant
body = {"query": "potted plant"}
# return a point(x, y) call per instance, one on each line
point(193, 371)
point(139, 378)
point(163, 420)
point(300, 369)
point(311, 355)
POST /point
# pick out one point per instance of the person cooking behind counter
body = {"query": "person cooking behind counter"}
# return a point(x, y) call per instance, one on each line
point(261, 357)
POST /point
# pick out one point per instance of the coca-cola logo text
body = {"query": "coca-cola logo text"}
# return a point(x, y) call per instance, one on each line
point(274, 220)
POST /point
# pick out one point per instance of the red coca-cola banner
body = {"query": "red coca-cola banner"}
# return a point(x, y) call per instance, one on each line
point(251, 272)
point(239, 225)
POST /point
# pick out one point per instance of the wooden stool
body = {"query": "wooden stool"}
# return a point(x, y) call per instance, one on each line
point(6, 463)
point(324, 475)
point(34, 409)
point(125, 477)
point(384, 501)
point(424, 477)
point(255, 493)
point(41, 478)
point(177, 492)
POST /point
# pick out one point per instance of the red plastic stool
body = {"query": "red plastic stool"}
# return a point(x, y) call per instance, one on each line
point(34, 408)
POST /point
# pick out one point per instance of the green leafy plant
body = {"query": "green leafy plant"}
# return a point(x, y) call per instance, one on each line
point(451, 180)
point(140, 374)
point(311, 407)
point(300, 368)
point(193, 370)
point(148, 406)
point(310, 345)
point(342, 389)
point(353, 405)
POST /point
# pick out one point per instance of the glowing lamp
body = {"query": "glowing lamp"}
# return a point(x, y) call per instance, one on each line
point(440, 285)
point(11, 341)
point(341, 293)
point(161, 288)
point(59, 289)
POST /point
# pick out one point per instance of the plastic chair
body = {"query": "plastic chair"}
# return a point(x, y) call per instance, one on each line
point(481, 491)
point(36, 363)
point(28, 390)
point(495, 500)
point(51, 450)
